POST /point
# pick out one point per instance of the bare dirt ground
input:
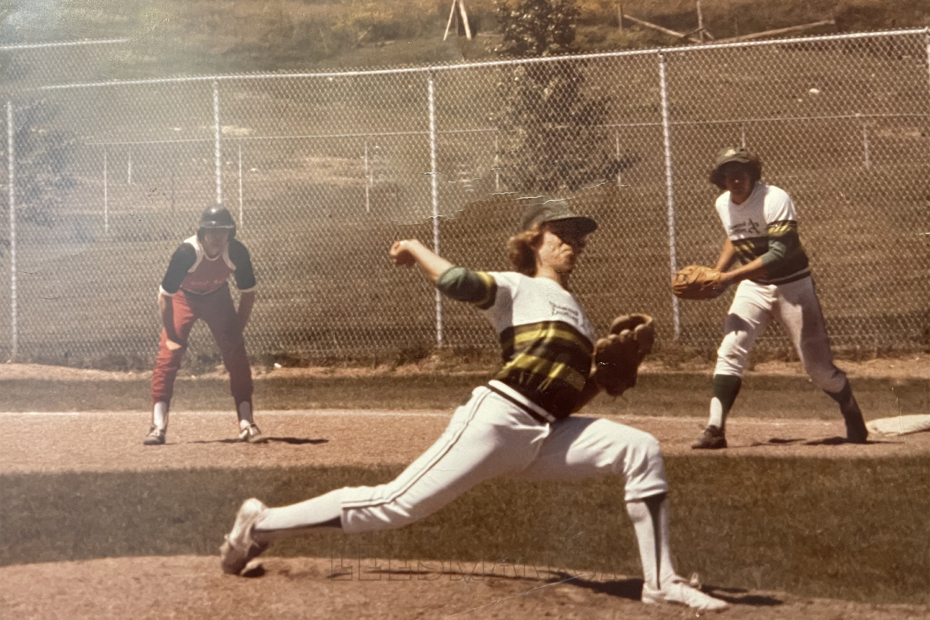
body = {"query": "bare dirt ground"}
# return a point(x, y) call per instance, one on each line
point(189, 587)
point(43, 442)
point(194, 587)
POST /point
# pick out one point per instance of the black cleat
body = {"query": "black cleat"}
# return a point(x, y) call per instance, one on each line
point(711, 439)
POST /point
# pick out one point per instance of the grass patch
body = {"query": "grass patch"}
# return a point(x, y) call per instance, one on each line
point(659, 394)
point(849, 529)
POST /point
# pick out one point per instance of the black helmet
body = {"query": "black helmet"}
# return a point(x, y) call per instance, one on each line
point(217, 216)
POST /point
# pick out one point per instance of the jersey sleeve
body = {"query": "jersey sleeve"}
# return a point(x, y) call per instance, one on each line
point(779, 207)
point(244, 274)
point(181, 261)
point(461, 284)
point(784, 243)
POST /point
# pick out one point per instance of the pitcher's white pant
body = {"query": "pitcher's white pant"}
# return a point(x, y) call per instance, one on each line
point(490, 436)
point(797, 308)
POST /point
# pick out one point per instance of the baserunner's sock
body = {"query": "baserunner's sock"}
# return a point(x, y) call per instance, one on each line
point(244, 411)
point(160, 415)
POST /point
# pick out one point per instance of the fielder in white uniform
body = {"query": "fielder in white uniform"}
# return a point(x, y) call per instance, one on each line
point(774, 277)
point(518, 425)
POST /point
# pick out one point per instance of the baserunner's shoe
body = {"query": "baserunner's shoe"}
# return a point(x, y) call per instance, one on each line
point(240, 547)
point(251, 434)
point(711, 439)
point(156, 437)
point(678, 592)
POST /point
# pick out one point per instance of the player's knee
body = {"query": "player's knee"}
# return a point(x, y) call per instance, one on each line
point(637, 451)
point(644, 469)
point(830, 380)
point(731, 359)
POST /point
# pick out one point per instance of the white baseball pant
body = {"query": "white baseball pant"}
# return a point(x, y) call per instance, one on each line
point(796, 307)
point(490, 436)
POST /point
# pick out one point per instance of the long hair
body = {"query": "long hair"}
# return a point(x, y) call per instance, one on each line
point(522, 249)
point(755, 172)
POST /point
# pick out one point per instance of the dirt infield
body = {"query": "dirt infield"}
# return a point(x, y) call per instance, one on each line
point(44, 442)
point(194, 587)
point(189, 587)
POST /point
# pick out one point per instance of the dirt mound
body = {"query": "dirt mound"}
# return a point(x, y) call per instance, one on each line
point(194, 587)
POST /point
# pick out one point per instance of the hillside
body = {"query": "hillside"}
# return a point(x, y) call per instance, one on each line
point(225, 36)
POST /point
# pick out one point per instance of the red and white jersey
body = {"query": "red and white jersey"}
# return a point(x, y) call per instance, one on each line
point(193, 271)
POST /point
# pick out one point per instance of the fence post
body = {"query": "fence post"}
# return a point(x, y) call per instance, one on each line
point(216, 132)
point(434, 179)
point(670, 187)
point(11, 167)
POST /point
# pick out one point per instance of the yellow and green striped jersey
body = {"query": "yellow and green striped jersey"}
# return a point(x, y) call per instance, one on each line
point(546, 339)
point(766, 226)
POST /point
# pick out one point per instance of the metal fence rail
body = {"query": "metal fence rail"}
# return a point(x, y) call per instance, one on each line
point(104, 179)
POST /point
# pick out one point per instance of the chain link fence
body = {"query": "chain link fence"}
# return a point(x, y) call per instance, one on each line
point(103, 179)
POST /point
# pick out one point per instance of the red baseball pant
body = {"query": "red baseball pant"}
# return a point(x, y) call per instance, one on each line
point(219, 313)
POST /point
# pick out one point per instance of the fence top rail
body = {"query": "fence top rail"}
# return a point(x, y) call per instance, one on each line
point(32, 46)
point(497, 63)
point(388, 134)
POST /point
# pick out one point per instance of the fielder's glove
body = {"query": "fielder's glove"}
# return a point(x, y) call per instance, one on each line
point(618, 355)
point(697, 282)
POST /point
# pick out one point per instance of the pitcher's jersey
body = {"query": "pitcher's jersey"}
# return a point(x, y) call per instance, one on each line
point(192, 270)
point(546, 339)
point(767, 215)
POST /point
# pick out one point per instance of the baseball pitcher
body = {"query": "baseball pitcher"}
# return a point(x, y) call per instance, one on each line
point(520, 424)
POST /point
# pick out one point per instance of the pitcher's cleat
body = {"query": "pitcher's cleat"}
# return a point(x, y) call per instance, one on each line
point(156, 437)
point(711, 439)
point(252, 435)
point(240, 547)
point(678, 592)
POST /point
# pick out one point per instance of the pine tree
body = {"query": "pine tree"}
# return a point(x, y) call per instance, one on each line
point(550, 128)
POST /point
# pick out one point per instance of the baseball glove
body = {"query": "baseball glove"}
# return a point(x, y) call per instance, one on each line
point(618, 355)
point(696, 282)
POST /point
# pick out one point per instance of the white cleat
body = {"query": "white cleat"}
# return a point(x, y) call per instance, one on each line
point(678, 592)
point(240, 547)
point(156, 437)
point(251, 434)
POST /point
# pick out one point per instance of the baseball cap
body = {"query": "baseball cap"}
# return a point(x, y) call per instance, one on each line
point(556, 211)
point(732, 153)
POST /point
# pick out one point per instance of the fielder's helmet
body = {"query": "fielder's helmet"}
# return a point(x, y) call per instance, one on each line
point(217, 216)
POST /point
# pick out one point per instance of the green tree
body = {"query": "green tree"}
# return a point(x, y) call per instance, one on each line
point(550, 126)
point(43, 152)
point(44, 155)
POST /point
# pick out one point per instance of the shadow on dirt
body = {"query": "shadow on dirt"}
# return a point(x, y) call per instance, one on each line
point(825, 441)
point(294, 441)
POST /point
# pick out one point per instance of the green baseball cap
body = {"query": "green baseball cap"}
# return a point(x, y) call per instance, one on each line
point(732, 153)
point(556, 211)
